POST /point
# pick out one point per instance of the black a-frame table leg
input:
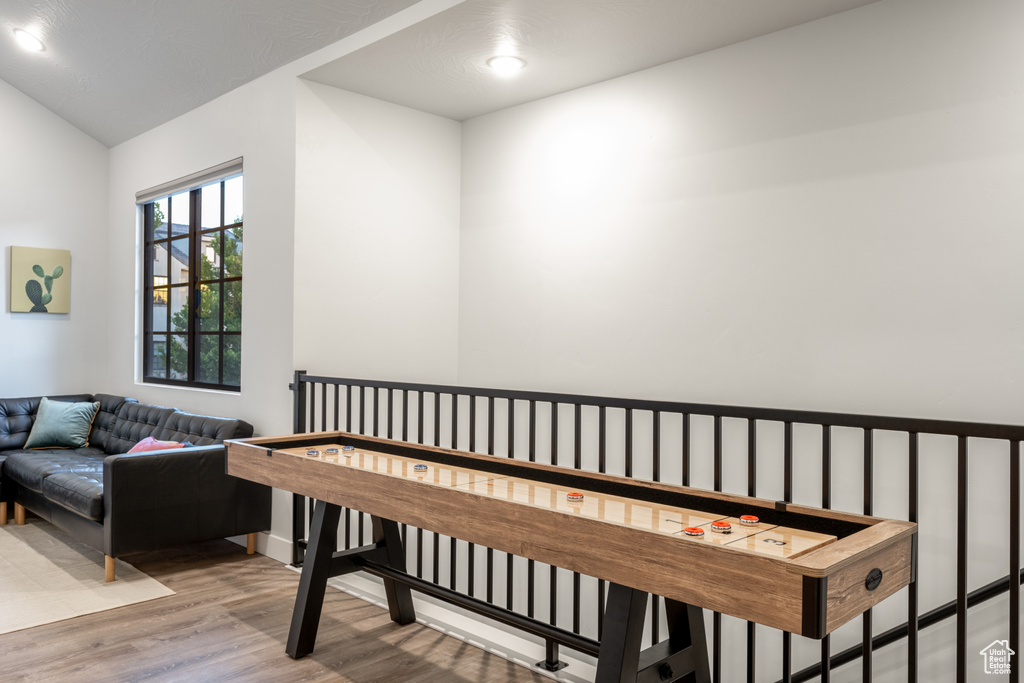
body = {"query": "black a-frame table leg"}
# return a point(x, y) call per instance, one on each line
point(316, 569)
point(399, 595)
point(323, 560)
point(683, 657)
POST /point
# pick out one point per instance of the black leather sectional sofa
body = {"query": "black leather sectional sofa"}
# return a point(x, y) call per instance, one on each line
point(120, 502)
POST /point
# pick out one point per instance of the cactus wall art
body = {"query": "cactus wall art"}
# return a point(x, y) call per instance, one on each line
point(40, 280)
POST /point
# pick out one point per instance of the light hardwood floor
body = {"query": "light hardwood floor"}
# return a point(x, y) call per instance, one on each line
point(228, 622)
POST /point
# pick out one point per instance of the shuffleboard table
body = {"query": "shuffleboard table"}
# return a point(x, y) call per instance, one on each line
point(796, 568)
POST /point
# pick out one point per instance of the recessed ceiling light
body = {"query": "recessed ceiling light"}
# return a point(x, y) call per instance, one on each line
point(28, 41)
point(506, 65)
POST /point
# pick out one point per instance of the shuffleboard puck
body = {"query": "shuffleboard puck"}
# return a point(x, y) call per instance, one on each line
point(693, 531)
point(312, 451)
point(574, 497)
point(749, 519)
point(721, 527)
point(347, 451)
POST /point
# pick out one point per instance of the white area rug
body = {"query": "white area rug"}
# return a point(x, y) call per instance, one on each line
point(47, 576)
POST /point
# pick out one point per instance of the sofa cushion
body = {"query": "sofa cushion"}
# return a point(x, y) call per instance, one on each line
point(31, 468)
point(17, 416)
point(104, 422)
point(60, 424)
point(134, 422)
point(201, 430)
point(80, 492)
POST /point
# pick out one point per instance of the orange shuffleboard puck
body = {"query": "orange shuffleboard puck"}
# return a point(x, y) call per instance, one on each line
point(721, 527)
point(574, 497)
point(693, 531)
point(749, 519)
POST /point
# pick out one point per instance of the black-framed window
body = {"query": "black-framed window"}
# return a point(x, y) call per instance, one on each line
point(192, 286)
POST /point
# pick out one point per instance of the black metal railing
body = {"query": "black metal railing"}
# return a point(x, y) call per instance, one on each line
point(707, 446)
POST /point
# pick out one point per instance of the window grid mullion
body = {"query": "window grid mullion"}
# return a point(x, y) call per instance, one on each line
point(170, 298)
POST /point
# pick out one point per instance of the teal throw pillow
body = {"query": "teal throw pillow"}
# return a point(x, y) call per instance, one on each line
point(62, 425)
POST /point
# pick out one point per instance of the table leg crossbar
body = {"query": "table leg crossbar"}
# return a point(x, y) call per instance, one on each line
point(682, 657)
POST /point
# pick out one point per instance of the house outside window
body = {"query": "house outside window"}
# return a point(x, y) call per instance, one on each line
point(192, 280)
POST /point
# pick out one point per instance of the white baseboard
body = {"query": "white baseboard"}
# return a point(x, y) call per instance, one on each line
point(267, 544)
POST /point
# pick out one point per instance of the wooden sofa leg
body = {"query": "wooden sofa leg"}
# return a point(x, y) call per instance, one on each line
point(3, 514)
point(250, 544)
point(109, 566)
point(19, 513)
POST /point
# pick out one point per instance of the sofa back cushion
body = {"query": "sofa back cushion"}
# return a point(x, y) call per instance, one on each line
point(103, 425)
point(202, 430)
point(133, 423)
point(18, 414)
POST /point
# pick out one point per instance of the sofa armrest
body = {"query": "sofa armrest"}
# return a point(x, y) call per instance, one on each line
point(159, 499)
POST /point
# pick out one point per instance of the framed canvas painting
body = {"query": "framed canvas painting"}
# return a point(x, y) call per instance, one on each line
point(40, 280)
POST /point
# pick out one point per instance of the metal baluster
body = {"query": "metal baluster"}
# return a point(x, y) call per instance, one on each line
point(453, 545)
point(752, 492)
point(961, 561)
point(578, 464)
point(656, 476)
point(787, 486)
point(455, 421)
point(629, 442)
point(686, 449)
point(348, 428)
point(348, 407)
point(553, 579)
point(323, 407)
point(437, 418)
point(471, 569)
point(602, 464)
point(869, 496)
point(312, 408)
point(337, 400)
point(826, 502)
point(490, 451)
point(912, 596)
point(509, 560)
point(716, 618)
point(390, 413)
point(420, 396)
point(531, 578)
point(1015, 556)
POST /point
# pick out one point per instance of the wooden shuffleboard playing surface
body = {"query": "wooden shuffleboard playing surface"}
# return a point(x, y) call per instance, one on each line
point(799, 569)
point(756, 537)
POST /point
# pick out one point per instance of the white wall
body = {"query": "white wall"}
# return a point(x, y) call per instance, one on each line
point(53, 194)
point(256, 122)
point(376, 238)
point(823, 218)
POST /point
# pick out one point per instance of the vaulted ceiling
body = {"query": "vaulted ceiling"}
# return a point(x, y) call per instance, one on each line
point(117, 68)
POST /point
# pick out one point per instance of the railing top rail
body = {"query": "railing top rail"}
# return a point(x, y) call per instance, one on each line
point(880, 422)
